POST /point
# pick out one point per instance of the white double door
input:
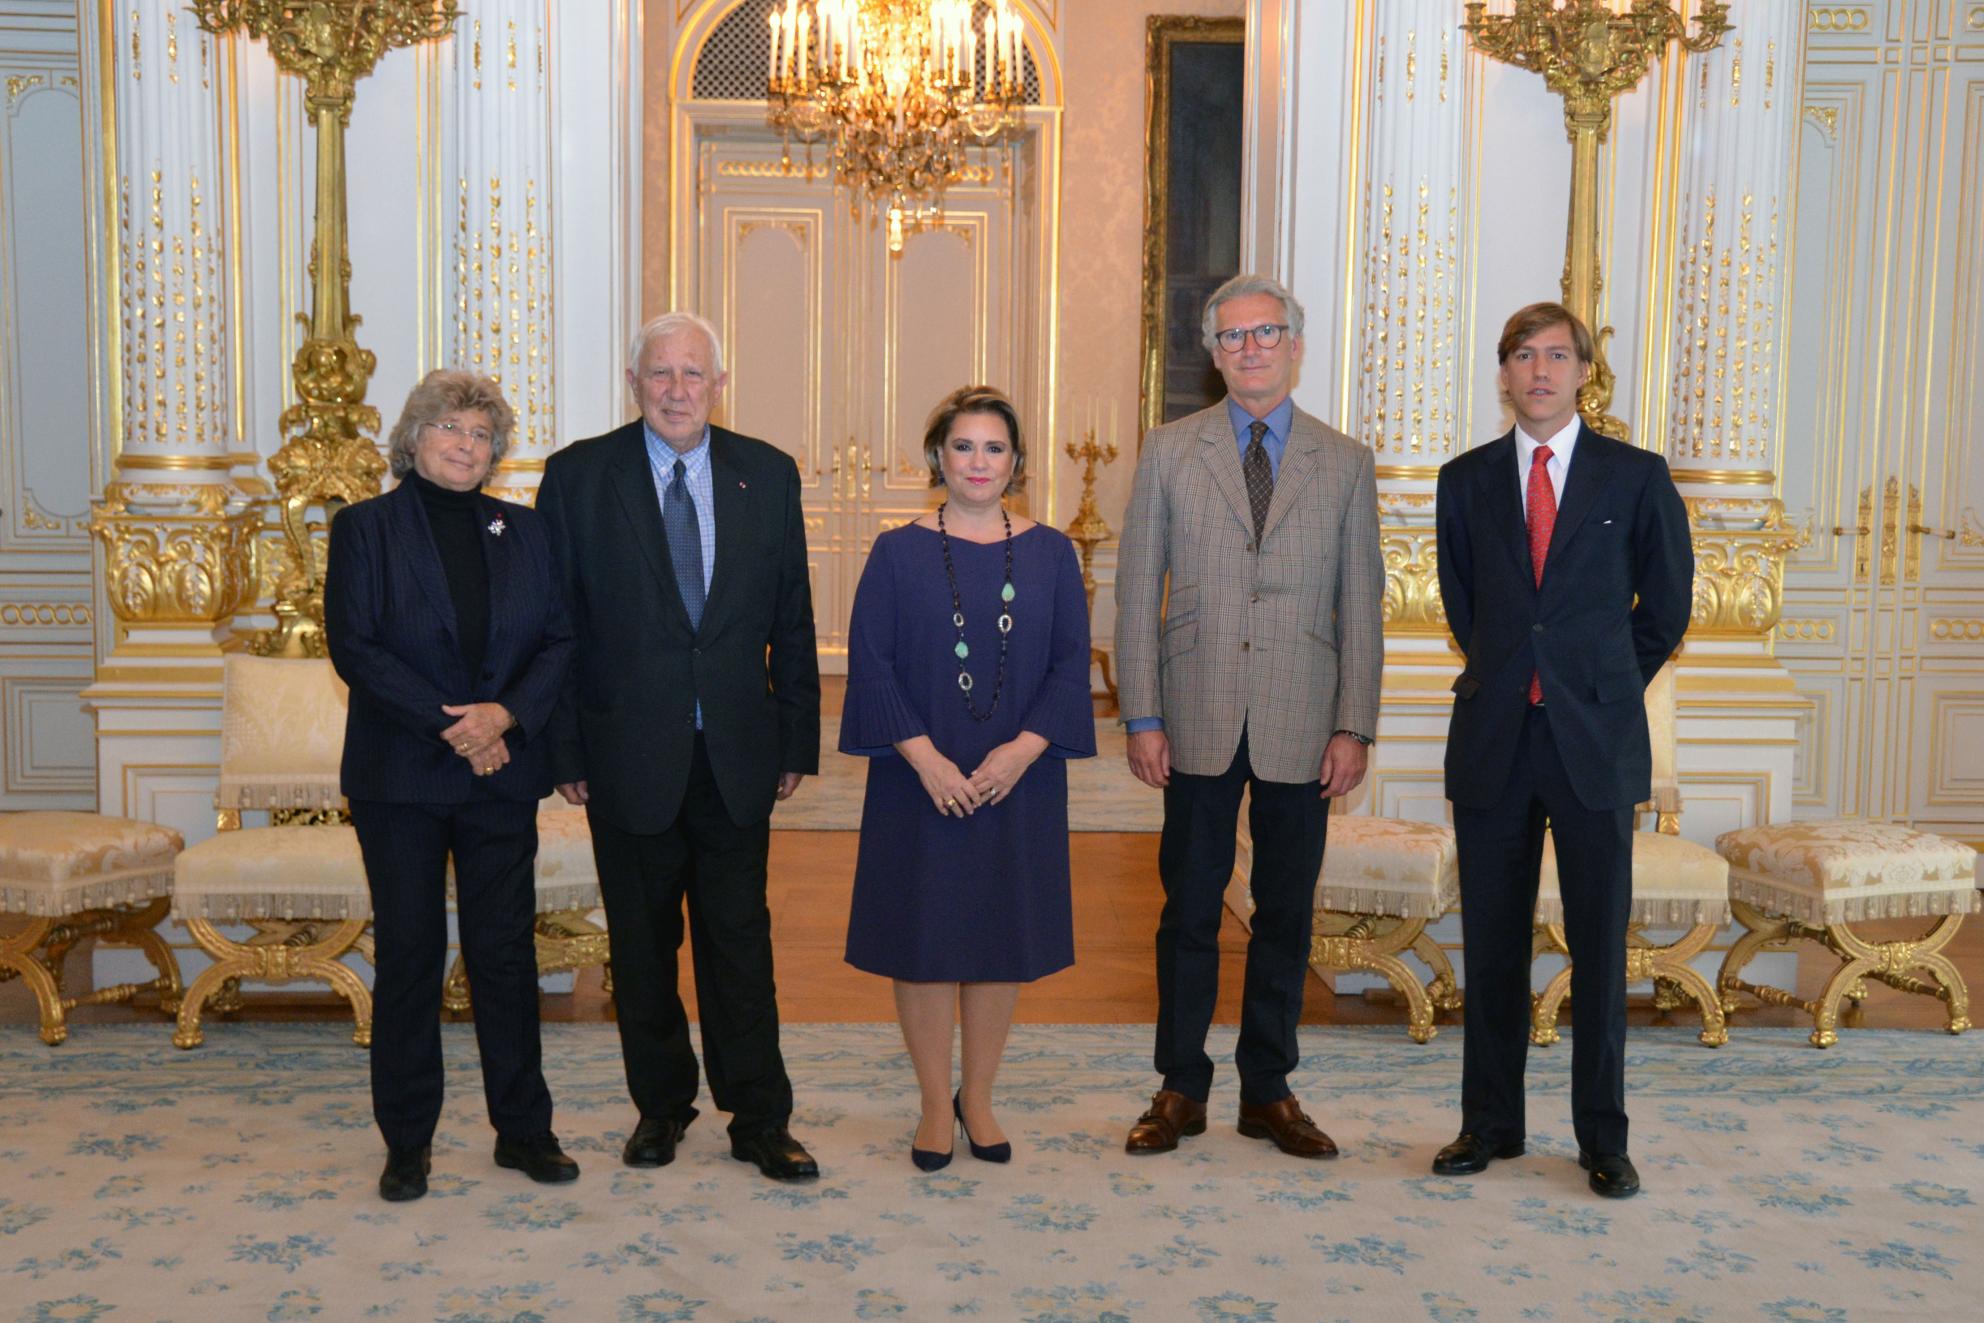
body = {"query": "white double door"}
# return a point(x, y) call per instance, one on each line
point(837, 349)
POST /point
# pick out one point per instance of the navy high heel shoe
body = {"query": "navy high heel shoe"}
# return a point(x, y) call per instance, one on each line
point(929, 1159)
point(1002, 1152)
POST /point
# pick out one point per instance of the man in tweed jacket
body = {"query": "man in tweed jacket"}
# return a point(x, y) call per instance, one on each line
point(1249, 644)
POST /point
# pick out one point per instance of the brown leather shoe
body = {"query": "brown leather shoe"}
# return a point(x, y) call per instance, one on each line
point(1285, 1123)
point(1171, 1117)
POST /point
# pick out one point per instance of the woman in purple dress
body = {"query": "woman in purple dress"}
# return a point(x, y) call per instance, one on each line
point(968, 659)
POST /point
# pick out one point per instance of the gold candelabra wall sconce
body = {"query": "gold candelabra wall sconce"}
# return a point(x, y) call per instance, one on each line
point(331, 457)
point(1590, 55)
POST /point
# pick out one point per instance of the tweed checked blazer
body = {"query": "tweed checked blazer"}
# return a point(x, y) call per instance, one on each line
point(1284, 641)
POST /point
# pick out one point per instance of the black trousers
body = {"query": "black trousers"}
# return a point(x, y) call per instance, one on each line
point(406, 849)
point(1195, 862)
point(719, 868)
point(1501, 853)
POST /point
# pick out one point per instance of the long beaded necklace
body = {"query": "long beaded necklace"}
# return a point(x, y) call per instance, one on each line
point(1006, 595)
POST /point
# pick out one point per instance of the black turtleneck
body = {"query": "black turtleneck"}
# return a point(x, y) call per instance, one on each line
point(456, 520)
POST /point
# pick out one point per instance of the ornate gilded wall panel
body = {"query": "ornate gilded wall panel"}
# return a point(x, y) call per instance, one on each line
point(47, 474)
point(1885, 390)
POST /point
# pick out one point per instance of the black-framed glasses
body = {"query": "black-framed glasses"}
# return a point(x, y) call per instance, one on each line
point(482, 436)
point(1267, 335)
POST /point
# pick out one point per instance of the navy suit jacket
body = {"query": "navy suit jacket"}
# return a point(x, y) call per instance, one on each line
point(1618, 584)
point(390, 625)
point(628, 724)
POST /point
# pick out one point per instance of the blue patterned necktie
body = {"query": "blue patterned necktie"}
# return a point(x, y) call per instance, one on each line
point(685, 543)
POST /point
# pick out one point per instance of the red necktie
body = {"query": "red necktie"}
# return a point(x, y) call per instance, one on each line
point(1542, 521)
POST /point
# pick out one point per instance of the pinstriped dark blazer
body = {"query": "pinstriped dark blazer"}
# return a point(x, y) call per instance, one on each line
point(390, 624)
point(1618, 588)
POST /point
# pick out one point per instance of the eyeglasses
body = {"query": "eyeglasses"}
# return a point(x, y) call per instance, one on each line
point(1267, 335)
point(482, 436)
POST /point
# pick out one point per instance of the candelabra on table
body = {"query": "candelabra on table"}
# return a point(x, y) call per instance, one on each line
point(1087, 530)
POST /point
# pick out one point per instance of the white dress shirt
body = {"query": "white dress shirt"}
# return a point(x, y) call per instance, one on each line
point(1558, 466)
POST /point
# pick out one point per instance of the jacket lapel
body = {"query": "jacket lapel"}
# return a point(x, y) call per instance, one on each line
point(1300, 459)
point(633, 484)
point(1505, 506)
point(732, 501)
point(499, 558)
point(1222, 459)
point(1591, 464)
point(421, 558)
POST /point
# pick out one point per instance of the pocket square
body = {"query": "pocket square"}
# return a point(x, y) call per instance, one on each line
point(1604, 521)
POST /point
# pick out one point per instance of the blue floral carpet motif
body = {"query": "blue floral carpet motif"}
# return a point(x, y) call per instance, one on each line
point(238, 1181)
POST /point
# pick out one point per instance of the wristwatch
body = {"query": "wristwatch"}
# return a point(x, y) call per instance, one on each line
point(1364, 740)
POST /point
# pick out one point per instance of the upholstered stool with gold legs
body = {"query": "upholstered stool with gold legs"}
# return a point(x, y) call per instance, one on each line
point(1383, 881)
point(1676, 884)
point(299, 882)
point(71, 876)
point(567, 894)
point(1794, 882)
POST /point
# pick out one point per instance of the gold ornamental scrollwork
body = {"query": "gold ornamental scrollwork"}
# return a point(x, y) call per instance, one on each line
point(173, 568)
point(1740, 547)
point(1589, 54)
point(330, 458)
point(1411, 602)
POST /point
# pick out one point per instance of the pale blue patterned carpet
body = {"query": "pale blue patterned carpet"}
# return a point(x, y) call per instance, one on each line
point(237, 1182)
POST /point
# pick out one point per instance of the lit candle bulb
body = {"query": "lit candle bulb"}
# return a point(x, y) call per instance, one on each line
point(778, 63)
point(805, 48)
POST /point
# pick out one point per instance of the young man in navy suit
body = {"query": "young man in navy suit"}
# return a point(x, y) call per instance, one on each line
point(1567, 574)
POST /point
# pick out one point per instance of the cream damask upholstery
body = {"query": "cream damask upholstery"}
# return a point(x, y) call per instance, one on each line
point(1676, 884)
point(281, 735)
point(1383, 880)
point(1794, 882)
point(567, 877)
point(1390, 866)
point(1839, 870)
point(567, 936)
point(74, 876)
point(301, 887)
point(289, 872)
point(57, 863)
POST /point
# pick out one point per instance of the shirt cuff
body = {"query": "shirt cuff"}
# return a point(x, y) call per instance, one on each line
point(1138, 725)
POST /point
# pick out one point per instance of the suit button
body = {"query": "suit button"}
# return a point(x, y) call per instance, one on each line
point(1245, 646)
point(1250, 548)
point(695, 652)
point(1536, 629)
point(1255, 598)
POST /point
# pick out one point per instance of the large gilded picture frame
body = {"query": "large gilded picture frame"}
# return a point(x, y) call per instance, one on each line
point(1194, 80)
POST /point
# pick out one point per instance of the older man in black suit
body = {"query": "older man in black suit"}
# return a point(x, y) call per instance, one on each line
point(1566, 569)
point(694, 706)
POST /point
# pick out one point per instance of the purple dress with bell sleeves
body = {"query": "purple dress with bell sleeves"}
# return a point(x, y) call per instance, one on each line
point(982, 898)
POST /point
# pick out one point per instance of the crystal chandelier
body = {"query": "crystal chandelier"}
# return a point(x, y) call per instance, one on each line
point(900, 88)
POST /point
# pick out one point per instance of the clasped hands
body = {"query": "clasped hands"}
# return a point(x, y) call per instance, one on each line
point(958, 795)
point(478, 735)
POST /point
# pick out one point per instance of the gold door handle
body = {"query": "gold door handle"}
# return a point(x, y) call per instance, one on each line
point(1838, 531)
point(1947, 534)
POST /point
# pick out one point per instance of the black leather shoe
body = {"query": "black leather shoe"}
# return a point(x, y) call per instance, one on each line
point(775, 1153)
point(538, 1157)
point(1470, 1153)
point(1612, 1174)
point(653, 1142)
point(405, 1176)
